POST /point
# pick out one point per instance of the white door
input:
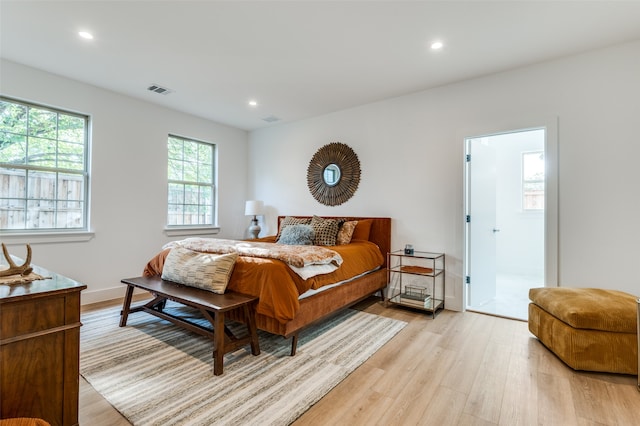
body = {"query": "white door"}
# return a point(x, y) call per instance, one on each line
point(481, 221)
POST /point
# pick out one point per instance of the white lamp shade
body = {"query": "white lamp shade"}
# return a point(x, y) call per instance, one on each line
point(253, 207)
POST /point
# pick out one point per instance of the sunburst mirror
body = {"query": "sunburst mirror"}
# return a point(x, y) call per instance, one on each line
point(333, 174)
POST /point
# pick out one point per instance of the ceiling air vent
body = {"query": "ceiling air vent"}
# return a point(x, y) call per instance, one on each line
point(271, 119)
point(159, 89)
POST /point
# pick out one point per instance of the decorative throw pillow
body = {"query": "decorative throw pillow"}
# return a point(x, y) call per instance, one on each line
point(301, 235)
point(326, 231)
point(207, 271)
point(346, 232)
point(363, 229)
point(290, 220)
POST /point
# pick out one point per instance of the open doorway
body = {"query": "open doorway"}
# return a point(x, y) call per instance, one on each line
point(505, 229)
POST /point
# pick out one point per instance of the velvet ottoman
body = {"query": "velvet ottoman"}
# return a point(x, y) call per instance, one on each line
point(587, 328)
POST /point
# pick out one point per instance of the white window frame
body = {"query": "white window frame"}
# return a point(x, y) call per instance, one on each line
point(55, 233)
point(200, 227)
point(526, 181)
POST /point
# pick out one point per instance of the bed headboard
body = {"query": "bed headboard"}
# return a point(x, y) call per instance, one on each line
point(380, 230)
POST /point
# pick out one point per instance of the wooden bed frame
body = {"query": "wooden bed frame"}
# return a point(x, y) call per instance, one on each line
point(325, 303)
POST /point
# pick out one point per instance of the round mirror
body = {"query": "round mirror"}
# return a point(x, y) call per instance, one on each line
point(331, 174)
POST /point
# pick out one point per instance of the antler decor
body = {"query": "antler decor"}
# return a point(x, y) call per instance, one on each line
point(24, 269)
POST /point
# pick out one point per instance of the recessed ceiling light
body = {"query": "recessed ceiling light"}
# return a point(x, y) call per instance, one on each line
point(436, 45)
point(85, 35)
point(253, 103)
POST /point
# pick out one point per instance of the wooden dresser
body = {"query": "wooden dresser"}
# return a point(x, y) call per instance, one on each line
point(40, 349)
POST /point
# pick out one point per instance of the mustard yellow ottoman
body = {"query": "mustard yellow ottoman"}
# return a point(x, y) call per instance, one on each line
point(587, 328)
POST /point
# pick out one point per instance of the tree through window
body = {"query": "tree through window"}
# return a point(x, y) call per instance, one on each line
point(43, 168)
point(191, 182)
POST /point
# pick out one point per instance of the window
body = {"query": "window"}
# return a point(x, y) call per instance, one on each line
point(533, 180)
point(43, 168)
point(191, 182)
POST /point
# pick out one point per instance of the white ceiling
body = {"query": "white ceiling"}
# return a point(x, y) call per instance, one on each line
point(298, 59)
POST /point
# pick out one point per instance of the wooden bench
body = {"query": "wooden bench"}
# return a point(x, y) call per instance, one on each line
point(212, 306)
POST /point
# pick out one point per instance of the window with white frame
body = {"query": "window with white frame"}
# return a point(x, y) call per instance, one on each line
point(191, 196)
point(44, 177)
point(533, 180)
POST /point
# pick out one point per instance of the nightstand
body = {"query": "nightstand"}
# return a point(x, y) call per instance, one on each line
point(416, 280)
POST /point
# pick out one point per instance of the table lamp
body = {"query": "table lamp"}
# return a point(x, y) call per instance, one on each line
point(253, 208)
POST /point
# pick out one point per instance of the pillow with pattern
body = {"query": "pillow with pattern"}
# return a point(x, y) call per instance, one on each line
point(346, 232)
point(207, 271)
point(326, 231)
point(290, 220)
point(300, 235)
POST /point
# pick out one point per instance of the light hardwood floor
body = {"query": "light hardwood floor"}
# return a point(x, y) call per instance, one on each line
point(459, 369)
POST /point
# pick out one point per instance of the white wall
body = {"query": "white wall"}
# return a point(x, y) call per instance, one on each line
point(128, 178)
point(411, 153)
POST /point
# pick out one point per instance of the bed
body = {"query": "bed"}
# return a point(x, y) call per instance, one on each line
point(303, 302)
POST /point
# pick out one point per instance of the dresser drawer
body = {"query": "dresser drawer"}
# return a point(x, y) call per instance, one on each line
point(38, 314)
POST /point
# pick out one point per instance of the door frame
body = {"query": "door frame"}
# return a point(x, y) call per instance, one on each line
point(551, 240)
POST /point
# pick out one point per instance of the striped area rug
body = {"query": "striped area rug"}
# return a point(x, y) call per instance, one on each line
point(155, 373)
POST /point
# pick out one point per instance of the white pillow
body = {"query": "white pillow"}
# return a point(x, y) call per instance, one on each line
point(207, 271)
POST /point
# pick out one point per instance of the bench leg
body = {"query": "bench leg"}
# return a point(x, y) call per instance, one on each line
point(249, 314)
point(219, 336)
point(124, 315)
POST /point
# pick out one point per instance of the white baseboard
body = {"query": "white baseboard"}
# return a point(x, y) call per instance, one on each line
point(94, 296)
